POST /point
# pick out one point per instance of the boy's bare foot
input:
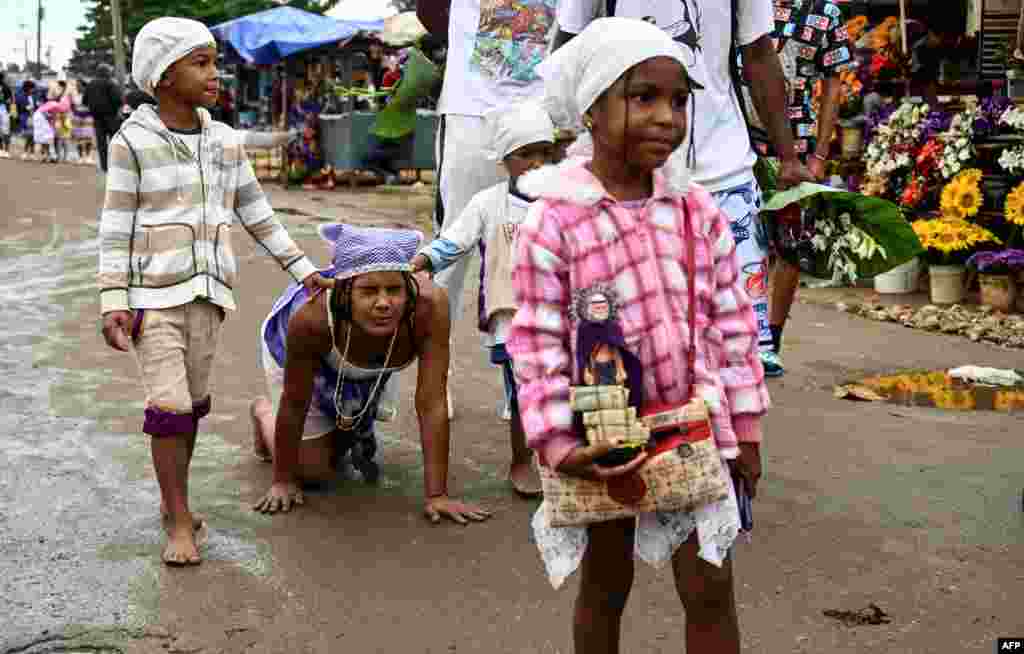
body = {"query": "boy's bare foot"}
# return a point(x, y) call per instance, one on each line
point(525, 480)
point(181, 546)
point(198, 525)
point(259, 408)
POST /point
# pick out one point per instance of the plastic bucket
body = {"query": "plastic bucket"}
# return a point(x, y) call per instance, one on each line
point(947, 284)
point(901, 279)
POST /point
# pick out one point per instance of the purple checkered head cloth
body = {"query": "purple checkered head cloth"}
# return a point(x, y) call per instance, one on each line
point(360, 250)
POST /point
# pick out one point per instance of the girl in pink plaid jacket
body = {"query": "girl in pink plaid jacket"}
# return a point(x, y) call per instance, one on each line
point(606, 243)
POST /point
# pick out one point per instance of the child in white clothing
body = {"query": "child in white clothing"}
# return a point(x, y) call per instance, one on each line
point(521, 137)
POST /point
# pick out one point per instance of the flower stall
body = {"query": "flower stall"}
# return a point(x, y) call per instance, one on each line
point(953, 171)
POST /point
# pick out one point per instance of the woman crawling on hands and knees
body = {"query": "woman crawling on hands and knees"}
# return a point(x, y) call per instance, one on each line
point(327, 357)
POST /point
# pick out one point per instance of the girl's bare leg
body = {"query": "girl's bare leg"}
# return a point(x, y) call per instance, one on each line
point(708, 596)
point(606, 577)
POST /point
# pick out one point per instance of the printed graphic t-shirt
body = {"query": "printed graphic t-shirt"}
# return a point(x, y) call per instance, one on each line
point(725, 158)
point(494, 47)
point(811, 39)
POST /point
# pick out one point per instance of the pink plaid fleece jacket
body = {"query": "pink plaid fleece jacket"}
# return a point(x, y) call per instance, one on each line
point(577, 237)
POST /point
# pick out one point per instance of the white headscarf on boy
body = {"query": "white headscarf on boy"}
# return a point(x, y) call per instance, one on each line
point(516, 125)
point(162, 42)
point(578, 73)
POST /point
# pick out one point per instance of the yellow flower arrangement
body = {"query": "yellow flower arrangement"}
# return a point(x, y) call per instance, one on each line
point(1015, 205)
point(970, 176)
point(961, 197)
point(951, 237)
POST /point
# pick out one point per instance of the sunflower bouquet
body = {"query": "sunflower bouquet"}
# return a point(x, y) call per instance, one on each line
point(1015, 206)
point(950, 240)
point(961, 197)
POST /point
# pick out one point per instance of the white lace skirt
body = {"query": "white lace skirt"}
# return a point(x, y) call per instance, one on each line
point(658, 536)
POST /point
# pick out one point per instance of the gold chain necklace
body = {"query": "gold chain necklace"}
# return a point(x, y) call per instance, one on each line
point(348, 423)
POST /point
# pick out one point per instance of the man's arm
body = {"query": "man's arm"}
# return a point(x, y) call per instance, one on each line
point(768, 89)
point(827, 117)
point(258, 219)
point(434, 14)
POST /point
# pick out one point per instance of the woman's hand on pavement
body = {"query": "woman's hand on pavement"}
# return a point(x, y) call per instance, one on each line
point(580, 462)
point(460, 512)
point(280, 497)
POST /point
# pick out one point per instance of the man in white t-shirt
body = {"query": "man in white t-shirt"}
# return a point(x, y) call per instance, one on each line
point(493, 48)
point(724, 155)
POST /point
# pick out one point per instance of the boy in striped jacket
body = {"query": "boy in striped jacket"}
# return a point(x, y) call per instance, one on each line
point(176, 182)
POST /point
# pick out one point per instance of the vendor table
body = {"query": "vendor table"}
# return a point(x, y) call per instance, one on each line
point(345, 138)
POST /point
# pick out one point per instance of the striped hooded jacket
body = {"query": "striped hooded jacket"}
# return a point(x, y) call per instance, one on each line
point(169, 214)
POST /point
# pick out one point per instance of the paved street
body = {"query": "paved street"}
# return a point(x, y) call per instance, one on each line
point(917, 511)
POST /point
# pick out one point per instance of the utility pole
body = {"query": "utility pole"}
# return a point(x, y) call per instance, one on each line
point(24, 32)
point(39, 38)
point(119, 64)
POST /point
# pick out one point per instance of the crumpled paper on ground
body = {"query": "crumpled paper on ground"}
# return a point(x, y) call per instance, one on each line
point(988, 376)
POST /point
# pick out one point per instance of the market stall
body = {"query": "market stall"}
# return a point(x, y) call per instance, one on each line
point(926, 128)
point(321, 76)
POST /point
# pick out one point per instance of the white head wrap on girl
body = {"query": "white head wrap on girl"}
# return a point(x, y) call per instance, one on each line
point(512, 127)
point(161, 43)
point(578, 73)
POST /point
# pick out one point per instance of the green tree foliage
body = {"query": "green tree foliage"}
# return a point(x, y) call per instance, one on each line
point(95, 45)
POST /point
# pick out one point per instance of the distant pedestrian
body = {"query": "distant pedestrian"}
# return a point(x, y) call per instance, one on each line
point(6, 105)
point(27, 105)
point(104, 100)
point(83, 132)
point(177, 183)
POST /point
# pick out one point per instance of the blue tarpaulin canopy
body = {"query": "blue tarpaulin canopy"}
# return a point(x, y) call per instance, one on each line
point(269, 36)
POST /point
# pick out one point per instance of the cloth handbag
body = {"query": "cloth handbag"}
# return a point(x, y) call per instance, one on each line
point(683, 470)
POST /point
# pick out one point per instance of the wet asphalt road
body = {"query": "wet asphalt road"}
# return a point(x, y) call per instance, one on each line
point(915, 510)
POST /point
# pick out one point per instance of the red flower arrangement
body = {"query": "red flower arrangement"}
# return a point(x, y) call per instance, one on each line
point(883, 66)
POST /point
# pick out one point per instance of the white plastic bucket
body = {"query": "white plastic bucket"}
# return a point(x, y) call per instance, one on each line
point(901, 279)
point(947, 284)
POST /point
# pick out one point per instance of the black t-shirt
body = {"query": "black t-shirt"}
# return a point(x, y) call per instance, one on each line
point(103, 98)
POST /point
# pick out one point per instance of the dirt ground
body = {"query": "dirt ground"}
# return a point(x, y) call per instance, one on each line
point(916, 511)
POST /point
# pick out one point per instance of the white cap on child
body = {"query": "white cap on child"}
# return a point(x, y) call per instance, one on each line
point(162, 42)
point(516, 125)
point(578, 73)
